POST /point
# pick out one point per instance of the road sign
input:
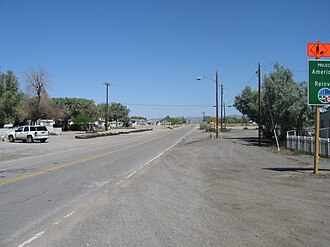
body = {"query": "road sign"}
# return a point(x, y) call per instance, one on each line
point(318, 50)
point(319, 82)
point(214, 121)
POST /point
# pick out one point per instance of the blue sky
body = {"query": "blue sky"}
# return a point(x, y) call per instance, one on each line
point(151, 51)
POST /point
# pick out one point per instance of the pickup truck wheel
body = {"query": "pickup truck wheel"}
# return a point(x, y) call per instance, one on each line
point(11, 139)
point(29, 139)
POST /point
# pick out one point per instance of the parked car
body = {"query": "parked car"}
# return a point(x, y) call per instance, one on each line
point(29, 134)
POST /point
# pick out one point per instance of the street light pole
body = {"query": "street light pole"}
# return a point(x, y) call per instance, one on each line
point(216, 101)
point(107, 84)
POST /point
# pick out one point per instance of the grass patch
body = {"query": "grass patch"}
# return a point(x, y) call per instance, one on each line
point(207, 128)
point(298, 153)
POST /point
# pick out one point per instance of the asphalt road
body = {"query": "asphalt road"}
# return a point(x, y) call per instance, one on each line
point(44, 184)
point(126, 191)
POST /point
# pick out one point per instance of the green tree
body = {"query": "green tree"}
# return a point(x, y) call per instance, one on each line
point(284, 103)
point(247, 103)
point(11, 110)
point(175, 121)
point(119, 112)
point(101, 111)
point(76, 109)
point(138, 117)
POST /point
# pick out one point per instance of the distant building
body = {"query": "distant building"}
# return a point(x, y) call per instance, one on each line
point(114, 124)
point(135, 122)
point(46, 122)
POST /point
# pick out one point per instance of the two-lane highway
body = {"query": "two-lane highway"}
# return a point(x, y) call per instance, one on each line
point(42, 190)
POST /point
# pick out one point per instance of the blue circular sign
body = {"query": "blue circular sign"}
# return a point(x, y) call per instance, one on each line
point(324, 95)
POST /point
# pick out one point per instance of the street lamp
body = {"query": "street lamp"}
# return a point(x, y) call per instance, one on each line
point(216, 101)
point(107, 84)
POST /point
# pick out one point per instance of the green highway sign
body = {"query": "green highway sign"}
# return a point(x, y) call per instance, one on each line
point(319, 82)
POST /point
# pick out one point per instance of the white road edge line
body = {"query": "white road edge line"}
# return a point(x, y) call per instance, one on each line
point(70, 214)
point(120, 182)
point(38, 235)
point(131, 174)
point(64, 217)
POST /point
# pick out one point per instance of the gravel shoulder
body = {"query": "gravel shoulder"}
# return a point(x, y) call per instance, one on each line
point(226, 192)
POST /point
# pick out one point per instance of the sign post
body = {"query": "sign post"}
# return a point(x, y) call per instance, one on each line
point(318, 88)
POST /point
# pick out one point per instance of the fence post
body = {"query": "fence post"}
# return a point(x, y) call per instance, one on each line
point(327, 148)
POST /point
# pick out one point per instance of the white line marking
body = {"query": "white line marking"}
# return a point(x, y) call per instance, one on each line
point(120, 182)
point(156, 157)
point(64, 217)
point(131, 174)
point(38, 235)
point(70, 214)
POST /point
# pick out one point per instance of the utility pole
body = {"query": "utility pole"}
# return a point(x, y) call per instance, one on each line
point(259, 103)
point(221, 110)
point(107, 84)
point(216, 105)
point(224, 113)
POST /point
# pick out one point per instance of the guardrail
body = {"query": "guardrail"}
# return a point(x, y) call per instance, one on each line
point(307, 144)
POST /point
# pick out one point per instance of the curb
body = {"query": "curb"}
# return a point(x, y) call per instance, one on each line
point(102, 134)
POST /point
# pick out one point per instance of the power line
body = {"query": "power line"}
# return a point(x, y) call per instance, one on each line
point(249, 81)
point(254, 75)
point(161, 106)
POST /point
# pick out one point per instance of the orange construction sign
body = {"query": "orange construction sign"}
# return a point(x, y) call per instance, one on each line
point(318, 50)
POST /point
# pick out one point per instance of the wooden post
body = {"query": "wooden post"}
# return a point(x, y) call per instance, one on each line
point(259, 103)
point(216, 106)
point(317, 140)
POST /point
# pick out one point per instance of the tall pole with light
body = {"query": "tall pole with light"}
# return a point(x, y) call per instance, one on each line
point(216, 101)
point(107, 84)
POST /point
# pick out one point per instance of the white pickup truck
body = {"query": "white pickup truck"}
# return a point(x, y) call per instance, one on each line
point(29, 134)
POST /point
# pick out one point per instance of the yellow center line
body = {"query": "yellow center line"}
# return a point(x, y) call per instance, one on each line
point(33, 174)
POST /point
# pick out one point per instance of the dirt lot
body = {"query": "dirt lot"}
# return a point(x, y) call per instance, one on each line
point(213, 192)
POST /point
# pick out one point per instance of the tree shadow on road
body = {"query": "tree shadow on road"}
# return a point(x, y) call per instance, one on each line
point(293, 169)
point(252, 141)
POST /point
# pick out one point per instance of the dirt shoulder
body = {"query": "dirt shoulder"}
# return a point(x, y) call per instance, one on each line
point(212, 192)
